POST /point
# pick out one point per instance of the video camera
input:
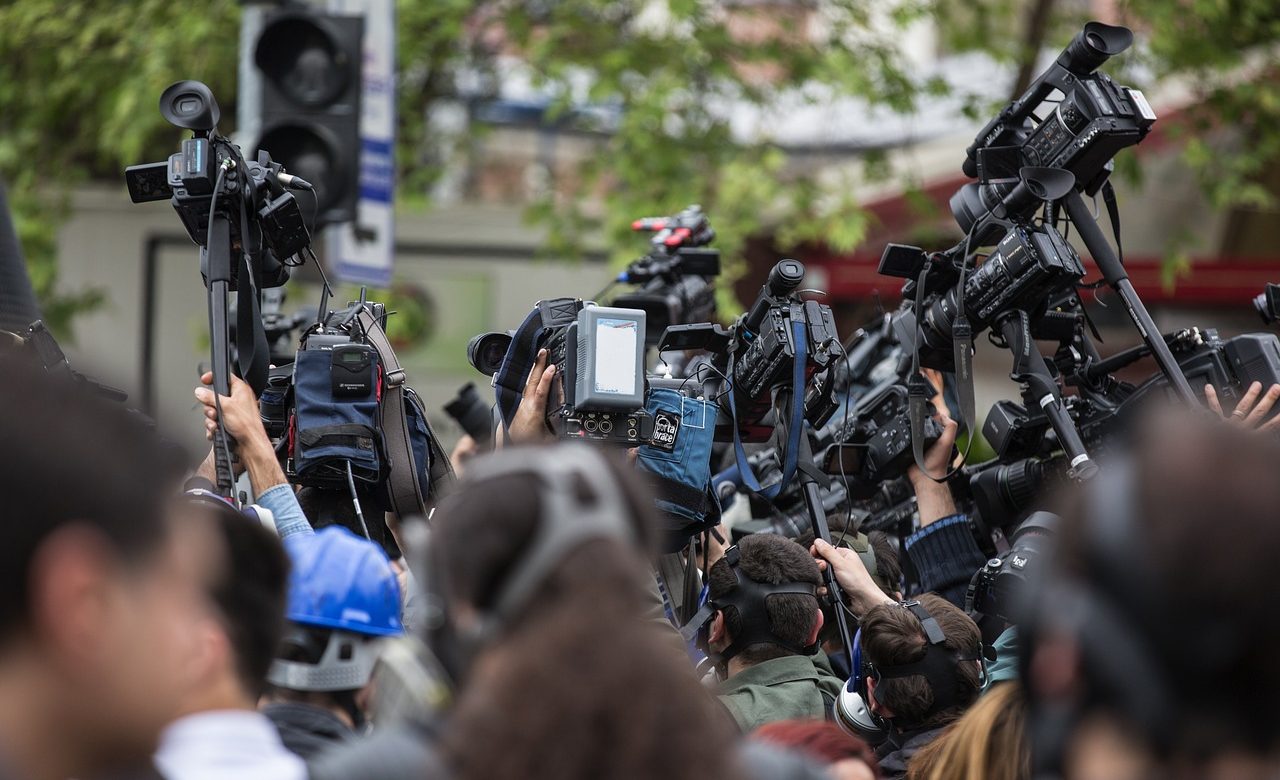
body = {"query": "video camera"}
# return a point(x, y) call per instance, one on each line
point(248, 227)
point(211, 176)
point(780, 343)
point(1093, 120)
point(876, 444)
point(997, 593)
point(675, 277)
point(1026, 266)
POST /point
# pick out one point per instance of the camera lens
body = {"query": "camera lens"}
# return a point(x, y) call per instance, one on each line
point(936, 325)
point(487, 350)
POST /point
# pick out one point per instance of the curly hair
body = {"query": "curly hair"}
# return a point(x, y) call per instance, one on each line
point(771, 560)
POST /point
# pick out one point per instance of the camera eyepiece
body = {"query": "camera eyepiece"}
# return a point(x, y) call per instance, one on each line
point(1094, 45)
point(785, 277)
point(191, 106)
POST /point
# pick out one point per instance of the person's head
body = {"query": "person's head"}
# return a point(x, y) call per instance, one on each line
point(792, 619)
point(845, 757)
point(344, 598)
point(1152, 645)
point(590, 523)
point(98, 589)
point(876, 549)
point(989, 742)
point(541, 557)
point(877, 552)
point(894, 636)
point(238, 640)
point(325, 507)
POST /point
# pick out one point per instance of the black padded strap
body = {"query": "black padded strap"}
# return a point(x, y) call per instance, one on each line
point(932, 631)
point(350, 434)
point(677, 492)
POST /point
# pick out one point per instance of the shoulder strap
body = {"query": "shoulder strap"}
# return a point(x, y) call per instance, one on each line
point(403, 489)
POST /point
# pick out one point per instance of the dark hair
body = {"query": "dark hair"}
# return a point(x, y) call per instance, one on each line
point(481, 531)
point(249, 594)
point(892, 636)
point(74, 458)
point(1191, 586)
point(325, 507)
point(582, 685)
point(887, 574)
point(820, 740)
point(770, 560)
point(888, 566)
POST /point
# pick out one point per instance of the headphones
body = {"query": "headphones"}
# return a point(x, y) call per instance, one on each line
point(566, 522)
point(939, 666)
point(750, 599)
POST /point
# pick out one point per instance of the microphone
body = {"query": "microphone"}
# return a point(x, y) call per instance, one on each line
point(294, 182)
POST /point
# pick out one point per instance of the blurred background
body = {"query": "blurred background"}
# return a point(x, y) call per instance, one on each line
point(474, 157)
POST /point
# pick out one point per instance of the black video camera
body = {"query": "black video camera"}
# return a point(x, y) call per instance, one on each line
point(758, 355)
point(1028, 264)
point(210, 174)
point(997, 592)
point(1094, 119)
point(675, 277)
point(875, 446)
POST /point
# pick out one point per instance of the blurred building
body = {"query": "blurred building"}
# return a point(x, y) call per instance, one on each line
point(470, 264)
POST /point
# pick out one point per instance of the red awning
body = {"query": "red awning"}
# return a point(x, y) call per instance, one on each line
point(1212, 281)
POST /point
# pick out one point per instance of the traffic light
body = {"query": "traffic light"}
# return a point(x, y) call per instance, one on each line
point(310, 64)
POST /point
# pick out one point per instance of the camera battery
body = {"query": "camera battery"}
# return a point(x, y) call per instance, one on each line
point(351, 370)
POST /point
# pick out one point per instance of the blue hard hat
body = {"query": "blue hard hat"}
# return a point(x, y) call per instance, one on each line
point(344, 582)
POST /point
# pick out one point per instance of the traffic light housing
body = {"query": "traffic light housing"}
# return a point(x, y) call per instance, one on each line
point(310, 66)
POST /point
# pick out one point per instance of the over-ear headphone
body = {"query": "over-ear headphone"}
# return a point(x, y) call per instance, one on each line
point(567, 520)
point(939, 666)
point(750, 601)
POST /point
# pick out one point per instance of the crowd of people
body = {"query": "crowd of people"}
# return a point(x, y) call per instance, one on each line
point(150, 628)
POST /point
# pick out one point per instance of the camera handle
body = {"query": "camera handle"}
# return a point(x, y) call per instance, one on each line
point(1040, 389)
point(217, 262)
point(1118, 279)
point(811, 485)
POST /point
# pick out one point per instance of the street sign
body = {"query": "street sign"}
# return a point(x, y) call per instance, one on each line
point(363, 252)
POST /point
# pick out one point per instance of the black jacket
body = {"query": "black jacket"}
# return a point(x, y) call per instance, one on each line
point(945, 555)
point(305, 729)
point(895, 752)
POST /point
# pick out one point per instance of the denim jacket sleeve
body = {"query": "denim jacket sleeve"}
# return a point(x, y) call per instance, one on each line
point(283, 505)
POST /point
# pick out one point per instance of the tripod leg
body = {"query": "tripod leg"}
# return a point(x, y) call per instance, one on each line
point(818, 519)
point(218, 268)
point(1118, 279)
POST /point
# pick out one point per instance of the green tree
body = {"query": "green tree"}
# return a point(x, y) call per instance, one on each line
point(80, 79)
point(1226, 52)
point(79, 85)
point(671, 74)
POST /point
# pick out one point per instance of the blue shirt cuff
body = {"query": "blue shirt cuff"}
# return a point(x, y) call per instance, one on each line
point(935, 527)
point(284, 507)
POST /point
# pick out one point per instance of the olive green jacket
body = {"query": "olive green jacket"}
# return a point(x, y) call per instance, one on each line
point(779, 689)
